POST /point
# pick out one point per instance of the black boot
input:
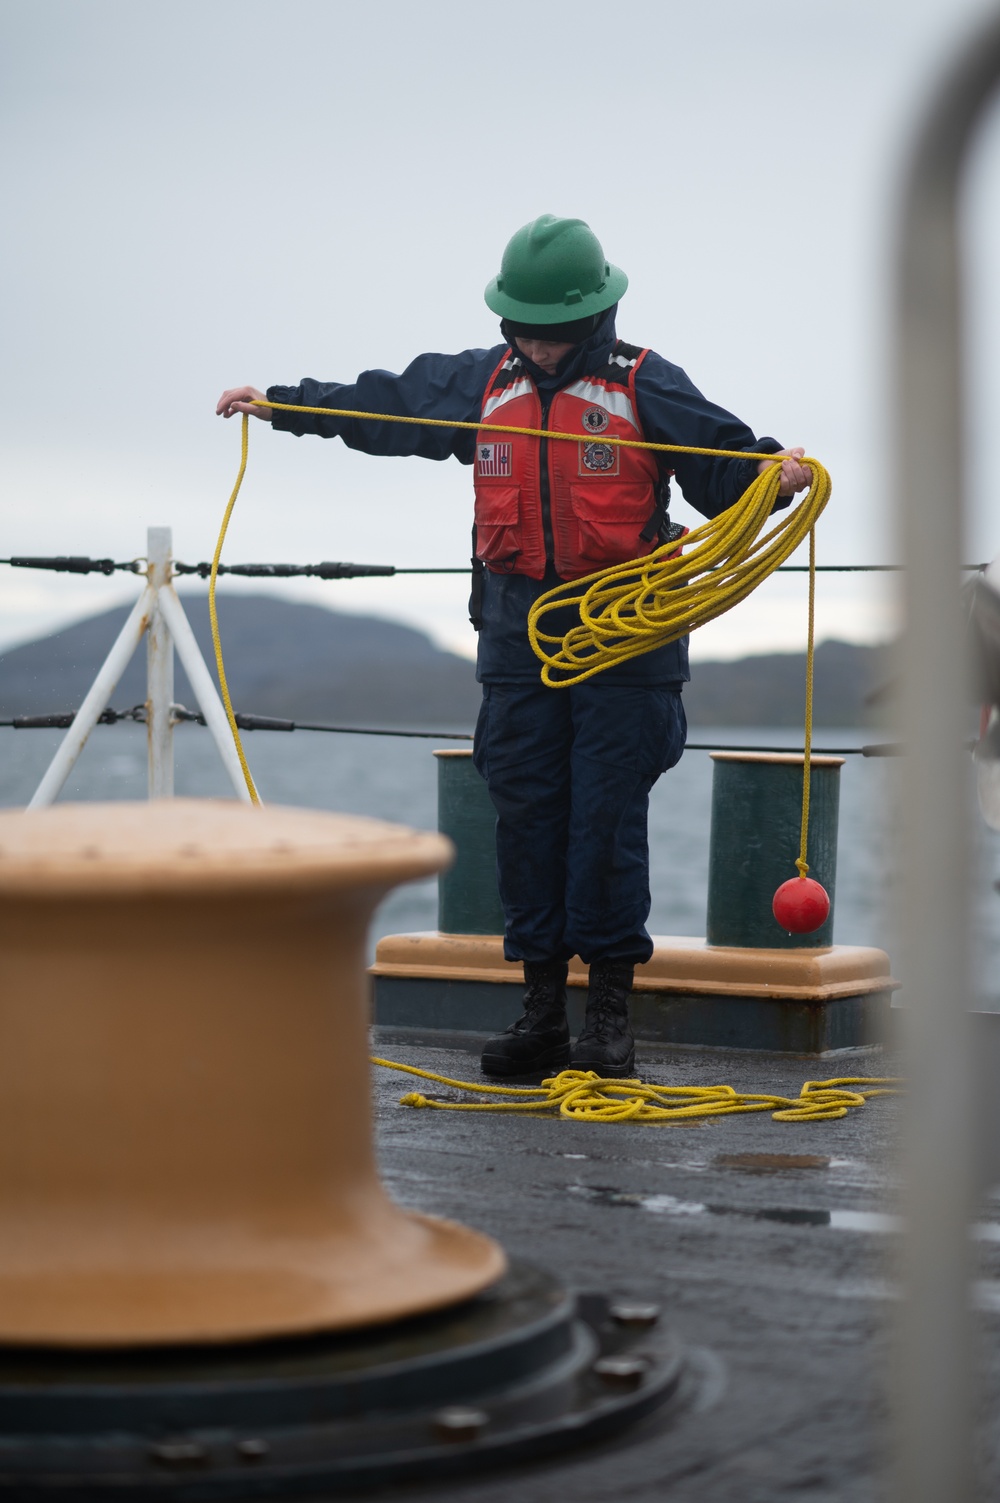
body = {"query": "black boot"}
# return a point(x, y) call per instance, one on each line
point(539, 1040)
point(606, 1044)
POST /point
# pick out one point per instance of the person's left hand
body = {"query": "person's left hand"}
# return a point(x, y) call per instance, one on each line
point(794, 476)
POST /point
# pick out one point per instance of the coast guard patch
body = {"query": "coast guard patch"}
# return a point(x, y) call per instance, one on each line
point(493, 459)
point(600, 459)
point(595, 420)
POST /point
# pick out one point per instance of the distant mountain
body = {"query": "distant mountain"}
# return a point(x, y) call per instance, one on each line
point(305, 662)
point(771, 689)
point(282, 658)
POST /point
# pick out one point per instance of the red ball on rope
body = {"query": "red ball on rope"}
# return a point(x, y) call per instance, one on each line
point(801, 905)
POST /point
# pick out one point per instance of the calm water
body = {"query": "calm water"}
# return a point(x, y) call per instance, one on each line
point(397, 780)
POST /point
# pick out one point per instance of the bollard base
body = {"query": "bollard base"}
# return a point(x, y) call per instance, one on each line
point(691, 993)
point(523, 1370)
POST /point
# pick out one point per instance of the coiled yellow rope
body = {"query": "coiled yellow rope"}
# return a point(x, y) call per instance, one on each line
point(582, 1096)
point(635, 607)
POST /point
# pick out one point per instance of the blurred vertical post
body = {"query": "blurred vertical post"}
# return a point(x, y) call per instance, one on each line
point(934, 1381)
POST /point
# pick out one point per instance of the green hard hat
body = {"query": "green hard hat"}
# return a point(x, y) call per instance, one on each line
point(554, 272)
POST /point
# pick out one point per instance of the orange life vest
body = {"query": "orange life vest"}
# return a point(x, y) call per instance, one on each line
point(599, 497)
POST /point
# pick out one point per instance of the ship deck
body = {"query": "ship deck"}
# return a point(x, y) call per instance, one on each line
point(778, 1279)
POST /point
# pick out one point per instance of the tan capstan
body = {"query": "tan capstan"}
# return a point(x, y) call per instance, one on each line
point(185, 1121)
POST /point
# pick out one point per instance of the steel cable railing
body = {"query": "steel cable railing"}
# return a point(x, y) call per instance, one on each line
point(61, 720)
point(330, 569)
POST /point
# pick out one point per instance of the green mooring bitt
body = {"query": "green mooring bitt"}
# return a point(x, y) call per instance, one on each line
point(754, 840)
point(468, 900)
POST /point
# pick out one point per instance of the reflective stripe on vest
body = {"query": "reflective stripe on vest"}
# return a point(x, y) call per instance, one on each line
point(600, 496)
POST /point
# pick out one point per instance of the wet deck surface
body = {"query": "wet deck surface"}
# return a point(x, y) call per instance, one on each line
point(778, 1280)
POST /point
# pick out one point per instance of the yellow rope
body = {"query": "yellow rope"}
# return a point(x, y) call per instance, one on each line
point(213, 617)
point(573, 438)
point(582, 1096)
point(802, 864)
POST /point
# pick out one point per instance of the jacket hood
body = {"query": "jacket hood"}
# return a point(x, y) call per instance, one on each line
point(581, 360)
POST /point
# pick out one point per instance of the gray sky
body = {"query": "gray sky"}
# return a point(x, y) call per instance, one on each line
point(198, 195)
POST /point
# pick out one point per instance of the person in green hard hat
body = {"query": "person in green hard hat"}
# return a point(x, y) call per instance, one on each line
point(568, 770)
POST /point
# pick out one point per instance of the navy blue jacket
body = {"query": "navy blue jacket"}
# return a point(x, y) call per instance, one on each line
point(671, 409)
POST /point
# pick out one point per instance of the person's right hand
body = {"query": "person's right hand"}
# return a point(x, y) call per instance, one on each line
point(240, 400)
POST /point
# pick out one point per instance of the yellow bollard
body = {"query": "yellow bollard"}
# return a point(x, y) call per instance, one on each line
point(185, 1123)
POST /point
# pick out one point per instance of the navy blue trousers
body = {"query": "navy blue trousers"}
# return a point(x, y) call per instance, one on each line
point(569, 773)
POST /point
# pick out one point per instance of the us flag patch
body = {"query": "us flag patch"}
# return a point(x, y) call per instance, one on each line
point(493, 459)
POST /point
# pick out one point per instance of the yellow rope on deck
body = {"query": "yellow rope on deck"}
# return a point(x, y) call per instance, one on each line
point(583, 1096)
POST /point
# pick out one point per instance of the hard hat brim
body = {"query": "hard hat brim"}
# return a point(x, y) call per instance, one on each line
point(564, 312)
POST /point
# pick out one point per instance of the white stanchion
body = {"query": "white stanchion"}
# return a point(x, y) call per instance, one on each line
point(159, 612)
point(100, 692)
